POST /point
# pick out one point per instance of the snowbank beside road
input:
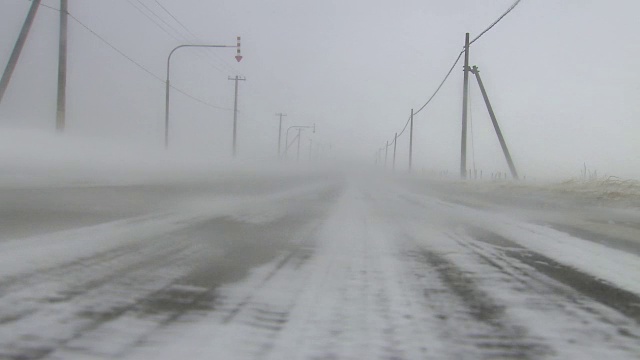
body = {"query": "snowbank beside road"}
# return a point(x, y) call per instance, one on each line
point(603, 262)
point(44, 251)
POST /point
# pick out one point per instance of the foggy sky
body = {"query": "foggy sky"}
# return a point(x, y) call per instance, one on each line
point(562, 77)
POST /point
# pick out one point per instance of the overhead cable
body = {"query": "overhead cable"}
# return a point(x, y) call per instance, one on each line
point(495, 22)
point(140, 66)
point(154, 21)
point(229, 67)
point(458, 59)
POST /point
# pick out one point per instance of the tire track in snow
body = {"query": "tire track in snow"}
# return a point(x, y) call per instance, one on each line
point(345, 295)
point(356, 304)
point(197, 292)
point(469, 319)
point(53, 323)
point(550, 314)
point(596, 289)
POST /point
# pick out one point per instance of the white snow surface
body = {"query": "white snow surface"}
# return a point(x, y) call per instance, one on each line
point(612, 265)
point(369, 271)
point(356, 298)
point(45, 251)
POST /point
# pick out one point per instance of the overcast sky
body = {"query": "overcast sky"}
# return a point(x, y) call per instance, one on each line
point(562, 76)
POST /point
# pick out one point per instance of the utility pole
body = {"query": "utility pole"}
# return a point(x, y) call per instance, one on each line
point(411, 141)
point(17, 49)
point(386, 152)
point(310, 149)
point(280, 132)
point(298, 153)
point(62, 68)
point(503, 144)
point(465, 93)
point(395, 145)
point(235, 113)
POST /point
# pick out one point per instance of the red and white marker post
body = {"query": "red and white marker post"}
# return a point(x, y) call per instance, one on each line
point(238, 55)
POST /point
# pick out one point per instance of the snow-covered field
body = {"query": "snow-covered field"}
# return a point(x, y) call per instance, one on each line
point(264, 264)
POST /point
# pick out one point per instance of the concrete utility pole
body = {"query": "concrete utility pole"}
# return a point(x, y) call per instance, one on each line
point(280, 133)
point(62, 68)
point(503, 144)
point(17, 49)
point(235, 113)
point(411, 142)
point(465, 93)
point(395, 146)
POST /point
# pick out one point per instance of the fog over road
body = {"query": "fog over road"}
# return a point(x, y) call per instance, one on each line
point(319, 265)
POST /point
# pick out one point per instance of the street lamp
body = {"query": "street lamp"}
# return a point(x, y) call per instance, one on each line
point(300, 127)
point(168, 85)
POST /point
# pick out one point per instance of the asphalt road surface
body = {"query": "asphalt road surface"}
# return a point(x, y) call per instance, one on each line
point(317, 266)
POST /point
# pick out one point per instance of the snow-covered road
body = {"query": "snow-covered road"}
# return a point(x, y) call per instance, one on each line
point(317, 267)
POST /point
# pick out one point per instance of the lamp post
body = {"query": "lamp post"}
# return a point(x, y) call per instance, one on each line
point(286, 141)
point(168, 84)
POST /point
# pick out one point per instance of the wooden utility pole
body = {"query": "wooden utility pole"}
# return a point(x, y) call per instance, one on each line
point(465, 93)
point(17, 49)
point(62, 68)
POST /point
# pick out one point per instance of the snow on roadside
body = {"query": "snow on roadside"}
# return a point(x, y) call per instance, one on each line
point(44, 251)
point(560, 329)
point(611, 265)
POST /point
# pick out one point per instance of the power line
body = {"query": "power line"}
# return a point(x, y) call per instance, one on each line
point(161, 19)
point(434, 93)
point(140, 66)
point(441, 83)
point(458, 59)
point(175, 19)
point(405, 126)
point(497, 21)
point(197, 99)
point(50, 7)
point(179, 38)
point(195, 37)
point(155, 22)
